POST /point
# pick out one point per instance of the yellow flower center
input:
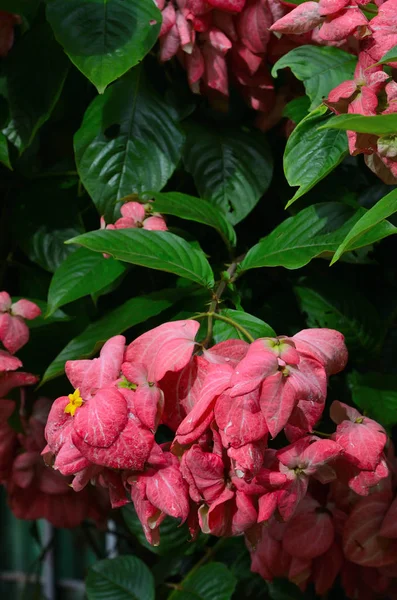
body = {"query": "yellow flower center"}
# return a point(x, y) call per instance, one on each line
point(75, 401)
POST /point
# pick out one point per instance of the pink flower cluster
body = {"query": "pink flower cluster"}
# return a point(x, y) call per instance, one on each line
point(372, 91)
point(218, 39)
point(135, 215)
point(301, 507)
point(33, 490)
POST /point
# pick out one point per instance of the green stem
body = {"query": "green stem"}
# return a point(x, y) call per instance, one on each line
point(215, 315)
point(321, 433)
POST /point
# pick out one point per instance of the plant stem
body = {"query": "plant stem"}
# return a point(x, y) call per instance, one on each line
point(216, 298)
point(225, 320)
point(321, 433)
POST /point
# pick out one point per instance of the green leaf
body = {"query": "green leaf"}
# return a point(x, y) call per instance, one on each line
point(337, 305)
point(320, 68)
point(174, 537)
point(256, 327)
point(134, 311)
point(378, 125)
point(390, 56)
point(36, 70)
point(383, 209)
point(376, 395)
point(153, 249)
point(45, 215)
point(121, 578)
point(211, 582)
point(311, 154)
point(81, 274)
point(318, 229)
point(194, 209)
point(4, 151)
point(297, 109)
point(282, 589)
point(129, 142)
point(232, 168)
point(105, 38)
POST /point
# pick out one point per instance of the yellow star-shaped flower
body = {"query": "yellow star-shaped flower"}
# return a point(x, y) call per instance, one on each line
point(75, 401)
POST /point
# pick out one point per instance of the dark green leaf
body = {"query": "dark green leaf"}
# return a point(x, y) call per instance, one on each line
point(132, 312)
point(378, 125)
point(232, 168)
point(211, 582)
point(45, 215)
point(255, 327)
point(81, 274)
point(339, 306)
point(311, 154)
point(281, 589)
point(35, 69)
point(320, 68)
point(376, 395)
point(105, 38)
point(129, 142)
point(316, 230)
point(383, 209)
point(4, 151)
point(194, 209)
point(47, 247)
point(121, 578)
point(154, 249)
point(297, 109)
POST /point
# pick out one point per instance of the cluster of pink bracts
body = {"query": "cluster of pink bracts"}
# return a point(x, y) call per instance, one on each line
point(311, 510)
point(33, 490)
point(223, 41)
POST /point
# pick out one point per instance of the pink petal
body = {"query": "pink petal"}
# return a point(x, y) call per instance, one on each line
point(169, 44)
point(169, 19)
point(361, 541)
point(253, 26)
point(328, 7)
point(229, 351)
point(278, 398)
point(240, 419)
point(14, 333)
point(245, 516)
point(218, 40)
point(362, 442)
point(325, 345)
point(258, 363)
point(216, 381)
point(166, 489)
point(310, 532)
point(301, 19)
point(343, 24)
point(216, 75)
point(233, 6)
point(11, 380)
point(204, 472)
point(90, 375)
point(155, 224)
point(164, 348)
point(26, 309)
point(195, 68)
point(318, 454)
point(326, 568)
point(247, 459)
point(8, 362)
point(131, 449)
point(149, 404)
point(100, 421)
point(389, 524)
